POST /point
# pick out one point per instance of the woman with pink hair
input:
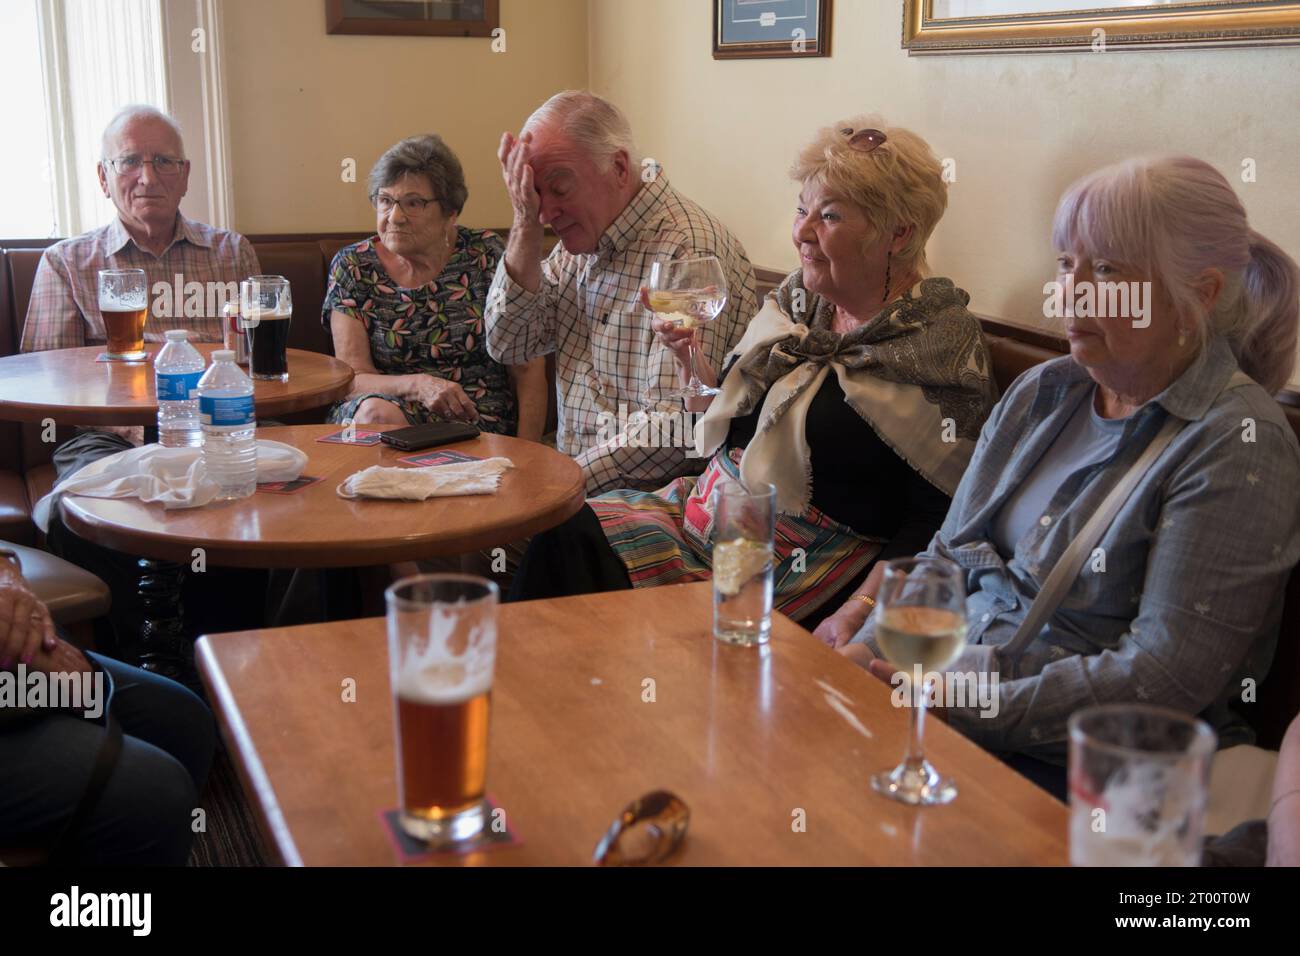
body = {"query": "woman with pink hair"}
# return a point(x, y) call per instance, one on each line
point(1182, 323)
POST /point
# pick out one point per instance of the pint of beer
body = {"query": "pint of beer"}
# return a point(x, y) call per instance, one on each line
point(266, 307)
point(124, 307)
point(441, 653)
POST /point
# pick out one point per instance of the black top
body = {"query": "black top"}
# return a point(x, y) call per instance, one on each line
point(858, 479)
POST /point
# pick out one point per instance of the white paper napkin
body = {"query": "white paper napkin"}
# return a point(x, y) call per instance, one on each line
point(434, 481)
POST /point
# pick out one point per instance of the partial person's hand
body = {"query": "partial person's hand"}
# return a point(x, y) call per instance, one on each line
point(676, 339)
point(132, 433)
point(517, 172)
point(25, 624)
point(838, 629)
point(62, 658)
point(445, 399)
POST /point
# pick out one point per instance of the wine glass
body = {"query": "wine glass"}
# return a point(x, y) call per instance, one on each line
point(920, 625)
point(687, 293)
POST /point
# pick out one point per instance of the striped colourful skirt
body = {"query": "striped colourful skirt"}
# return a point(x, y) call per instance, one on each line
point(662, 537)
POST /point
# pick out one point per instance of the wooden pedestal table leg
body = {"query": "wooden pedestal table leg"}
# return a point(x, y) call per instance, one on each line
point(163, 647)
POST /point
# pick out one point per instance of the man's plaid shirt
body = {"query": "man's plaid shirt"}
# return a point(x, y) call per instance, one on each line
point(64, 308)
point(588, 310)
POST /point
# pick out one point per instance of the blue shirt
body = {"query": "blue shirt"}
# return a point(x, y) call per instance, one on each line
point(1086, 439)
point(1183, 609)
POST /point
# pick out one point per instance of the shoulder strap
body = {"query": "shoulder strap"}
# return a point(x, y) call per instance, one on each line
point(1067, 567)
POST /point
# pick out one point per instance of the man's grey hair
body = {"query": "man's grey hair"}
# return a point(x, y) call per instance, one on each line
point(137, 111)
point(594, 124)
point(426, 156)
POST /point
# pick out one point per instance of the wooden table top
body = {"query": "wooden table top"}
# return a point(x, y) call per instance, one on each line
point(746, 737)
point(69, 386)
point(315, 528)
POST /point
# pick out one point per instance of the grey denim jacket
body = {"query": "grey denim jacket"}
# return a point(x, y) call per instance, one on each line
point(1180, 607)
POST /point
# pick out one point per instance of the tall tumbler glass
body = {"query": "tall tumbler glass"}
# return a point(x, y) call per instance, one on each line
point(1139, 779)
point(124, 307)
point(743, 526)
point(442, 635)
point(265, 308)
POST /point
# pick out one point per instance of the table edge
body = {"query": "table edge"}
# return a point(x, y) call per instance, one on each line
point(25, 412)
point(248, 765)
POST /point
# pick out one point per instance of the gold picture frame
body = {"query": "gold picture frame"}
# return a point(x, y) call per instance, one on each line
point(1108, 24)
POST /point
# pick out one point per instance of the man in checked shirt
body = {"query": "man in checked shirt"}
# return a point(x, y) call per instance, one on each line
point(144, 171)
point(574, 168)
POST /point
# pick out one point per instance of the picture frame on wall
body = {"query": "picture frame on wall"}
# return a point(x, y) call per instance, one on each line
point(745, 29)
point(413, 18)
point(1014, 26)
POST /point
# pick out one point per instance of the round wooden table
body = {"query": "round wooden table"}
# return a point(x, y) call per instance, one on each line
point(315, 528)
point(69, 386)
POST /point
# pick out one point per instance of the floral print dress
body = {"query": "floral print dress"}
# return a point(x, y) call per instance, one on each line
point(435, 329)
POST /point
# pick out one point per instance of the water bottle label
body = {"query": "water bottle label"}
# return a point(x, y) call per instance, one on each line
point(178, 386)
point(219, 412)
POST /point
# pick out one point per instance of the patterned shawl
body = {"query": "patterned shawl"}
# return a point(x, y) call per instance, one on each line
point(918, 373)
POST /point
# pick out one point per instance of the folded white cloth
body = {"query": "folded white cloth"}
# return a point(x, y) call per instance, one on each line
point(176, 477)
point(434, 481)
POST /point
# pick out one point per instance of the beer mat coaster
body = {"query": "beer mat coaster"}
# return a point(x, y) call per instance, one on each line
point(411, 850)
point(104, 357)
point(360, 436)
point(288, 487)
point(437, 458)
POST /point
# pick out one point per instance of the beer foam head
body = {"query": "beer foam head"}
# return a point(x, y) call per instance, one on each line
point(441, 670)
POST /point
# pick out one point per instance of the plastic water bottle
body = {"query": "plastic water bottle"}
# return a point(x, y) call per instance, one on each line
point(177, 371)
point(229, 445)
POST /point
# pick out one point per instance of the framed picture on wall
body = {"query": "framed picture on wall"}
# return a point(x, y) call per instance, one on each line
point(413, 18)
point(1008, 26)
point(771, 28)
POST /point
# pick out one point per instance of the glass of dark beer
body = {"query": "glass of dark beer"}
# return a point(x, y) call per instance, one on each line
point(265, 307)
point(442, 635)
point(124, 307)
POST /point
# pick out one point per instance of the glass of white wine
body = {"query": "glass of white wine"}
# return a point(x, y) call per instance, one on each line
point(920, 626)
point(688, 293)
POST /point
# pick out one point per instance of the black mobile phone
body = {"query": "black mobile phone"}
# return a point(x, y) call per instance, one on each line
point(415, 437)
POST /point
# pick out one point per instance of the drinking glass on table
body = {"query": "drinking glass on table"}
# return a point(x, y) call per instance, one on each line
point(743, 525)
point(442, 634)
point(921, 628)
point(688, 293)
point(265, 308)
point(1139, 779)
point(124, 306)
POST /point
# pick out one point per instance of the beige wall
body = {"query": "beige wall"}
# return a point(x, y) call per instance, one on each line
point(1020, 127)
point(301, 101)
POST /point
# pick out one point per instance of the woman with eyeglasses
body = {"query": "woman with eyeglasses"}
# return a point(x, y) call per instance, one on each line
point(405, 307)
point(857, 391)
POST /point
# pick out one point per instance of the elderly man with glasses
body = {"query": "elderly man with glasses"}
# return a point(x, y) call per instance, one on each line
point(144, 171)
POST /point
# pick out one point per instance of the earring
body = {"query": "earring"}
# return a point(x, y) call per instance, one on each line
point(1182, 337)
point(889, 261)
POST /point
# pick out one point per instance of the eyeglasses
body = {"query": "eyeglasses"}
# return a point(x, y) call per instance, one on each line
point(863, 140)
point(411, 205)
point(162, 165)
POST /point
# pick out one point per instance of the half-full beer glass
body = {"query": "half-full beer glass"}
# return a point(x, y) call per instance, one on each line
point(442, 637)
point(124, 306)
point(265, 308)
